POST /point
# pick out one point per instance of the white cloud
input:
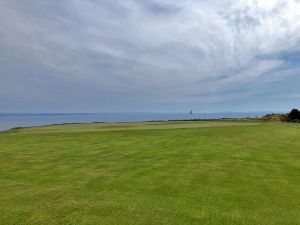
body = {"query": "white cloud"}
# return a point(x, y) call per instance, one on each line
point(161, 48)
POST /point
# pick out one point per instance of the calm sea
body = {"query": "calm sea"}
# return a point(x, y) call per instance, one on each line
point(8, 121)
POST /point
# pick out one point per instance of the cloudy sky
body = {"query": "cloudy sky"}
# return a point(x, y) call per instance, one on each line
point(149, 55)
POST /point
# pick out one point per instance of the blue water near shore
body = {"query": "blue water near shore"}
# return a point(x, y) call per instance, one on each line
point(8, 121)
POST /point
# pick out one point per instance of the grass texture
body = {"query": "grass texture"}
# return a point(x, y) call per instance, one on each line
point(201, 172)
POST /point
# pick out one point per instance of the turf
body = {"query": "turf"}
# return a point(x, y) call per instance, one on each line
point(206, 173)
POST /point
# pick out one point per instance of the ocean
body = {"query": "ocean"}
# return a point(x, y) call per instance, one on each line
point(8, 121)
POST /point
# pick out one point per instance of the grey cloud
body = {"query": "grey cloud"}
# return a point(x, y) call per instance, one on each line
point(99, 55)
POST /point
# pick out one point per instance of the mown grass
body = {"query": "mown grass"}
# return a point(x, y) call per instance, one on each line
point(136, 173)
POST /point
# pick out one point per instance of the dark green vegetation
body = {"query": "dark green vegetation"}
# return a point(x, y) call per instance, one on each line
point(207, 173)
point(294, 115)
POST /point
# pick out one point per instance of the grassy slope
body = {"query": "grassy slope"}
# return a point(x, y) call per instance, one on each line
point(209, 174)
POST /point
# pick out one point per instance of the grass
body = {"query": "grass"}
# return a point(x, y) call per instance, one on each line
point(208, 172)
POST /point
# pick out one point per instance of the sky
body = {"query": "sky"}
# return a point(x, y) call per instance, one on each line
point(149, 55)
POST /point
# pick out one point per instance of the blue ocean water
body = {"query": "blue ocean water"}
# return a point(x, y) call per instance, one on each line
point(8, 121)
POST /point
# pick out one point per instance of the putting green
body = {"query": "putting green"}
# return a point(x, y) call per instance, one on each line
point(88, 127)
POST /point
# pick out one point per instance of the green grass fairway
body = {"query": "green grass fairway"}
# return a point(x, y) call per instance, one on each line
point(184, 173)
